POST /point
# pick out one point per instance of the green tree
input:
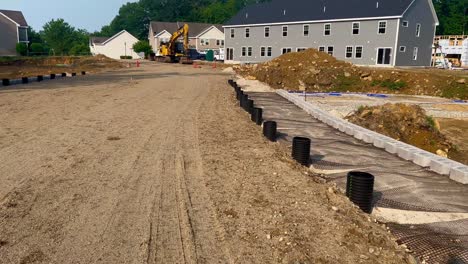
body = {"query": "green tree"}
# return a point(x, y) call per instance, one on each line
point(22, 49)
point(80, 49)
point(452, 16)
point(59, 35)
point(37, 48)
point(142, 46)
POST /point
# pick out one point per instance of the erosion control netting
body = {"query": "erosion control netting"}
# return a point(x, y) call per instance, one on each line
point(399, 184)
point(436, 243)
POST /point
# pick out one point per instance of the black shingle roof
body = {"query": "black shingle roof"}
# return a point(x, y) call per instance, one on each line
point(278, 11)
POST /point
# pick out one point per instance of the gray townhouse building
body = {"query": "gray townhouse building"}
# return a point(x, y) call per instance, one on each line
point(13, 30)
point(364, 32)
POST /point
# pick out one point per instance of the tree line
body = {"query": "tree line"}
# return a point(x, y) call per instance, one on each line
point(58, 37)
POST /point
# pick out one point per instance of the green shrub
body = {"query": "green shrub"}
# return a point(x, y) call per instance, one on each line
point(126, 57)
point(143, 46)
point(80, 49)
point(36, 48)
point(22, 49)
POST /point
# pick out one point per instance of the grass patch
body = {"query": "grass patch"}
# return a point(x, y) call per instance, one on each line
point(343, 83)
point(456, 90)
point(389, 84)
point(431, 123)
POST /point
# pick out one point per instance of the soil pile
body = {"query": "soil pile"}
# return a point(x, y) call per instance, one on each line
point(316, 71)
point(407, 123)
point(25, 67)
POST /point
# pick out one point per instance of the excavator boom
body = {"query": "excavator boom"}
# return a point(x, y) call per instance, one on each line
point(169, 52)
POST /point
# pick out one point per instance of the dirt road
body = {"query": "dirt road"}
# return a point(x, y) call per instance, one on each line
point(158, 165)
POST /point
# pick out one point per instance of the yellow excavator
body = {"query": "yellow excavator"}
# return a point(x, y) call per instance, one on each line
point(171, 53)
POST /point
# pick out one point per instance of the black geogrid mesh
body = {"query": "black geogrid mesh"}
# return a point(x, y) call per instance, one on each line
point(435, 243)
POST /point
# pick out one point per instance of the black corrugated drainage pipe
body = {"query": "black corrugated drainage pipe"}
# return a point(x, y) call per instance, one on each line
point(5, 82)
point(73, 74)
point(231, 82)
point(52, 76)
point(24, 80)
point(83, 73)
point(301, 150)
point(269, 130)
point(360, 189)
point(64, 74)
point(40, 78)
point(256, 115)
point(249, 106)
point(239, 94)
point(243, 101)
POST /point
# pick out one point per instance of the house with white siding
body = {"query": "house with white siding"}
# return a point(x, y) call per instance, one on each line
point(202, 36)
point(121, 44)
point(13, 30)
point(382, 33)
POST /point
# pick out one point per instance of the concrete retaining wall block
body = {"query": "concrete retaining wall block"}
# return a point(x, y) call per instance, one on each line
point(459, 174)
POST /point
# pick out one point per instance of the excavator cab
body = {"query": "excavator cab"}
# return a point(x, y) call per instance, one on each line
point(175, 51)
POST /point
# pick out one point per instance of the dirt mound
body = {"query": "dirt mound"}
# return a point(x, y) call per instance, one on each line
point(316, 71)
point(30, 66)
point(407, 123)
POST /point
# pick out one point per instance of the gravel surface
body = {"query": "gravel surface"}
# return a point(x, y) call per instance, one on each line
point(159, 165)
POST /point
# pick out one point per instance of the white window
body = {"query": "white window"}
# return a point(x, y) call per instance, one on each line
point(306, 30)
point(356, 27)
point(286, 50)
point(267, 32)
point(415, 53)
point(218, 42)
point(349, 52)
point(207, 42)
point(358, 54)
point(222, 42)
point(405, 23)
point(247, 32)
point(249, 52)
point(244, 51)
point(269, 51)
point(322, 48)
point(402, 48)
point(418, 30)
point(232, 33)
point(330, 50)
point(262, 51)
point(301, 49)
point(382, 27)
point(285, 31)
point(327, 29)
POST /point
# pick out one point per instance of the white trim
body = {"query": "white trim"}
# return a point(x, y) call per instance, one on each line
point(264, 51)
point(418, 30)
point(346, 52)
point(407, 23)
point(434, 13)
point(362, 52)
point(282, 31)
point(415, 53)
point(245, 32)
point(162, 32)
point(359, 29)
point(333, 52)
point(269, 32)
point(324, 25)
point(324, 48)
point(18, 25)
point(314, 21)
point(308, 30)
point(396, 41)
point(251, 51)
point(227, 54)
point(377, 57)
point(286, 52)
point(410, 5)
point(378, 27)
point(271, 54)
point(402, 51)
point(242, 51)
point(208, 29)
point(231, 31)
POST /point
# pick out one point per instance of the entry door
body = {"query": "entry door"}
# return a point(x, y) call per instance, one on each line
point(383, 56)
point(229, 54)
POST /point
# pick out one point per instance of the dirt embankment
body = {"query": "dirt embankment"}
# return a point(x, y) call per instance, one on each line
point(407, 123)
point(26, 67)
point(316, 71)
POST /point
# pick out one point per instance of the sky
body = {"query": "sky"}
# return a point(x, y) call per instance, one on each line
point(84, 14)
